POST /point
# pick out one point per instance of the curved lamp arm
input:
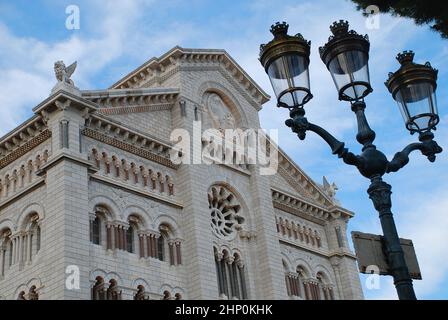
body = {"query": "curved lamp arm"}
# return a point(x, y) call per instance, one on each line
point(427, 146)
point(299, 124)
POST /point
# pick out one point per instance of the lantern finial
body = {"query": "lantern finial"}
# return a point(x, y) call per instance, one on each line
point(405, 57)
point(339, 27)
point(279, 29)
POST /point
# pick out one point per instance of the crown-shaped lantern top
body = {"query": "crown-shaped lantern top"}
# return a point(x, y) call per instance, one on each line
point(279, 29)
point(283, 43)
point(342, 39)
point(410, 72)
point(339, 27)
point(405, 57)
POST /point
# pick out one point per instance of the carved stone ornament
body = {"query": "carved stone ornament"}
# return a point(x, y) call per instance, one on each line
point(220, 116)
point(63, 75)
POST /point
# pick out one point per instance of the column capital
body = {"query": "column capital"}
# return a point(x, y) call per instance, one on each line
point(219, 256)
point(152, 233)
point(119, 224)
point(230, 260)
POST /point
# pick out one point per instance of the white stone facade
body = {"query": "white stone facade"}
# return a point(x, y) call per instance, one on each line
point(88, 182)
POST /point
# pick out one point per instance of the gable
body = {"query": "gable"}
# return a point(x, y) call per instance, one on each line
point(158, 70)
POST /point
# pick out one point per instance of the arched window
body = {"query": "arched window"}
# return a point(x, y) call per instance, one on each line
point(292, 282)
point(130, 239)
point(5, 250)
point(136, 237)
point(324, 287)
point(231, 275)
point(302, 287)
point(96, 231)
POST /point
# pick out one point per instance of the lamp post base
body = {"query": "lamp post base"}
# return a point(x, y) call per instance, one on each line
point(380, 194)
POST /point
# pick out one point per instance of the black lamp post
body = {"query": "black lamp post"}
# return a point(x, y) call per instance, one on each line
point(346, 54)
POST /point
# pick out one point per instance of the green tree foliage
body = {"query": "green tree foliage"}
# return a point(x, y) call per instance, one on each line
point(434, 12)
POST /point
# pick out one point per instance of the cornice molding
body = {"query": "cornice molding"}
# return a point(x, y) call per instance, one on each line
point(135, 109)
point(127, 98)
point(306, 209)
point(21, 150)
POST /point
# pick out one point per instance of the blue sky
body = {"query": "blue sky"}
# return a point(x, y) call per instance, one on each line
point(117, 36)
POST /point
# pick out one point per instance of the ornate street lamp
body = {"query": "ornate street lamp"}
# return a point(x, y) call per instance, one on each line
point(286, 60)
point(413, 86)
point(346, 56)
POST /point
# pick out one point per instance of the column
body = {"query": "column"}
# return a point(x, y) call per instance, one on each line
point(288, 285)
point(171, 251)
point(155, 246)
point(235, 280)
point(30, 246)
point(331, 293)
point(325, 290)
point(224, 277)
point(292, 285)
point(307, 290)
point(14, 249)
point(243, 279)
point(25, 247)
point(108, 237)
point(125, 238)
point(91, 219)
point(2, 261)
point(141, 242)
point(116, 237)
point(218, 258)
point(149, 245)
point(178, 253)
point(229, 262)
point(297, 281)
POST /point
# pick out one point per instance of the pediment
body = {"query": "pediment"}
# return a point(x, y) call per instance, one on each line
point(157, 69)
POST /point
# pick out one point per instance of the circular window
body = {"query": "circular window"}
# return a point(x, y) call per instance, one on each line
point(224, 213)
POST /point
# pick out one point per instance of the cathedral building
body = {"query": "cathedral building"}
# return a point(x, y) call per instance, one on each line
point(95, 204)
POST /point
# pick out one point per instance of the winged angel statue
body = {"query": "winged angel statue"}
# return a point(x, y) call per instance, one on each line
point(64, 73)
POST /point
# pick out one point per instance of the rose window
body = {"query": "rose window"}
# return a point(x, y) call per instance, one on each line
point(224, 212)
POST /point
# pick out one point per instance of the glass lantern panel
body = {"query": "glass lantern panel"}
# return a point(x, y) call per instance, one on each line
point(350, 67)
point(417, 103)
point(290, 79)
